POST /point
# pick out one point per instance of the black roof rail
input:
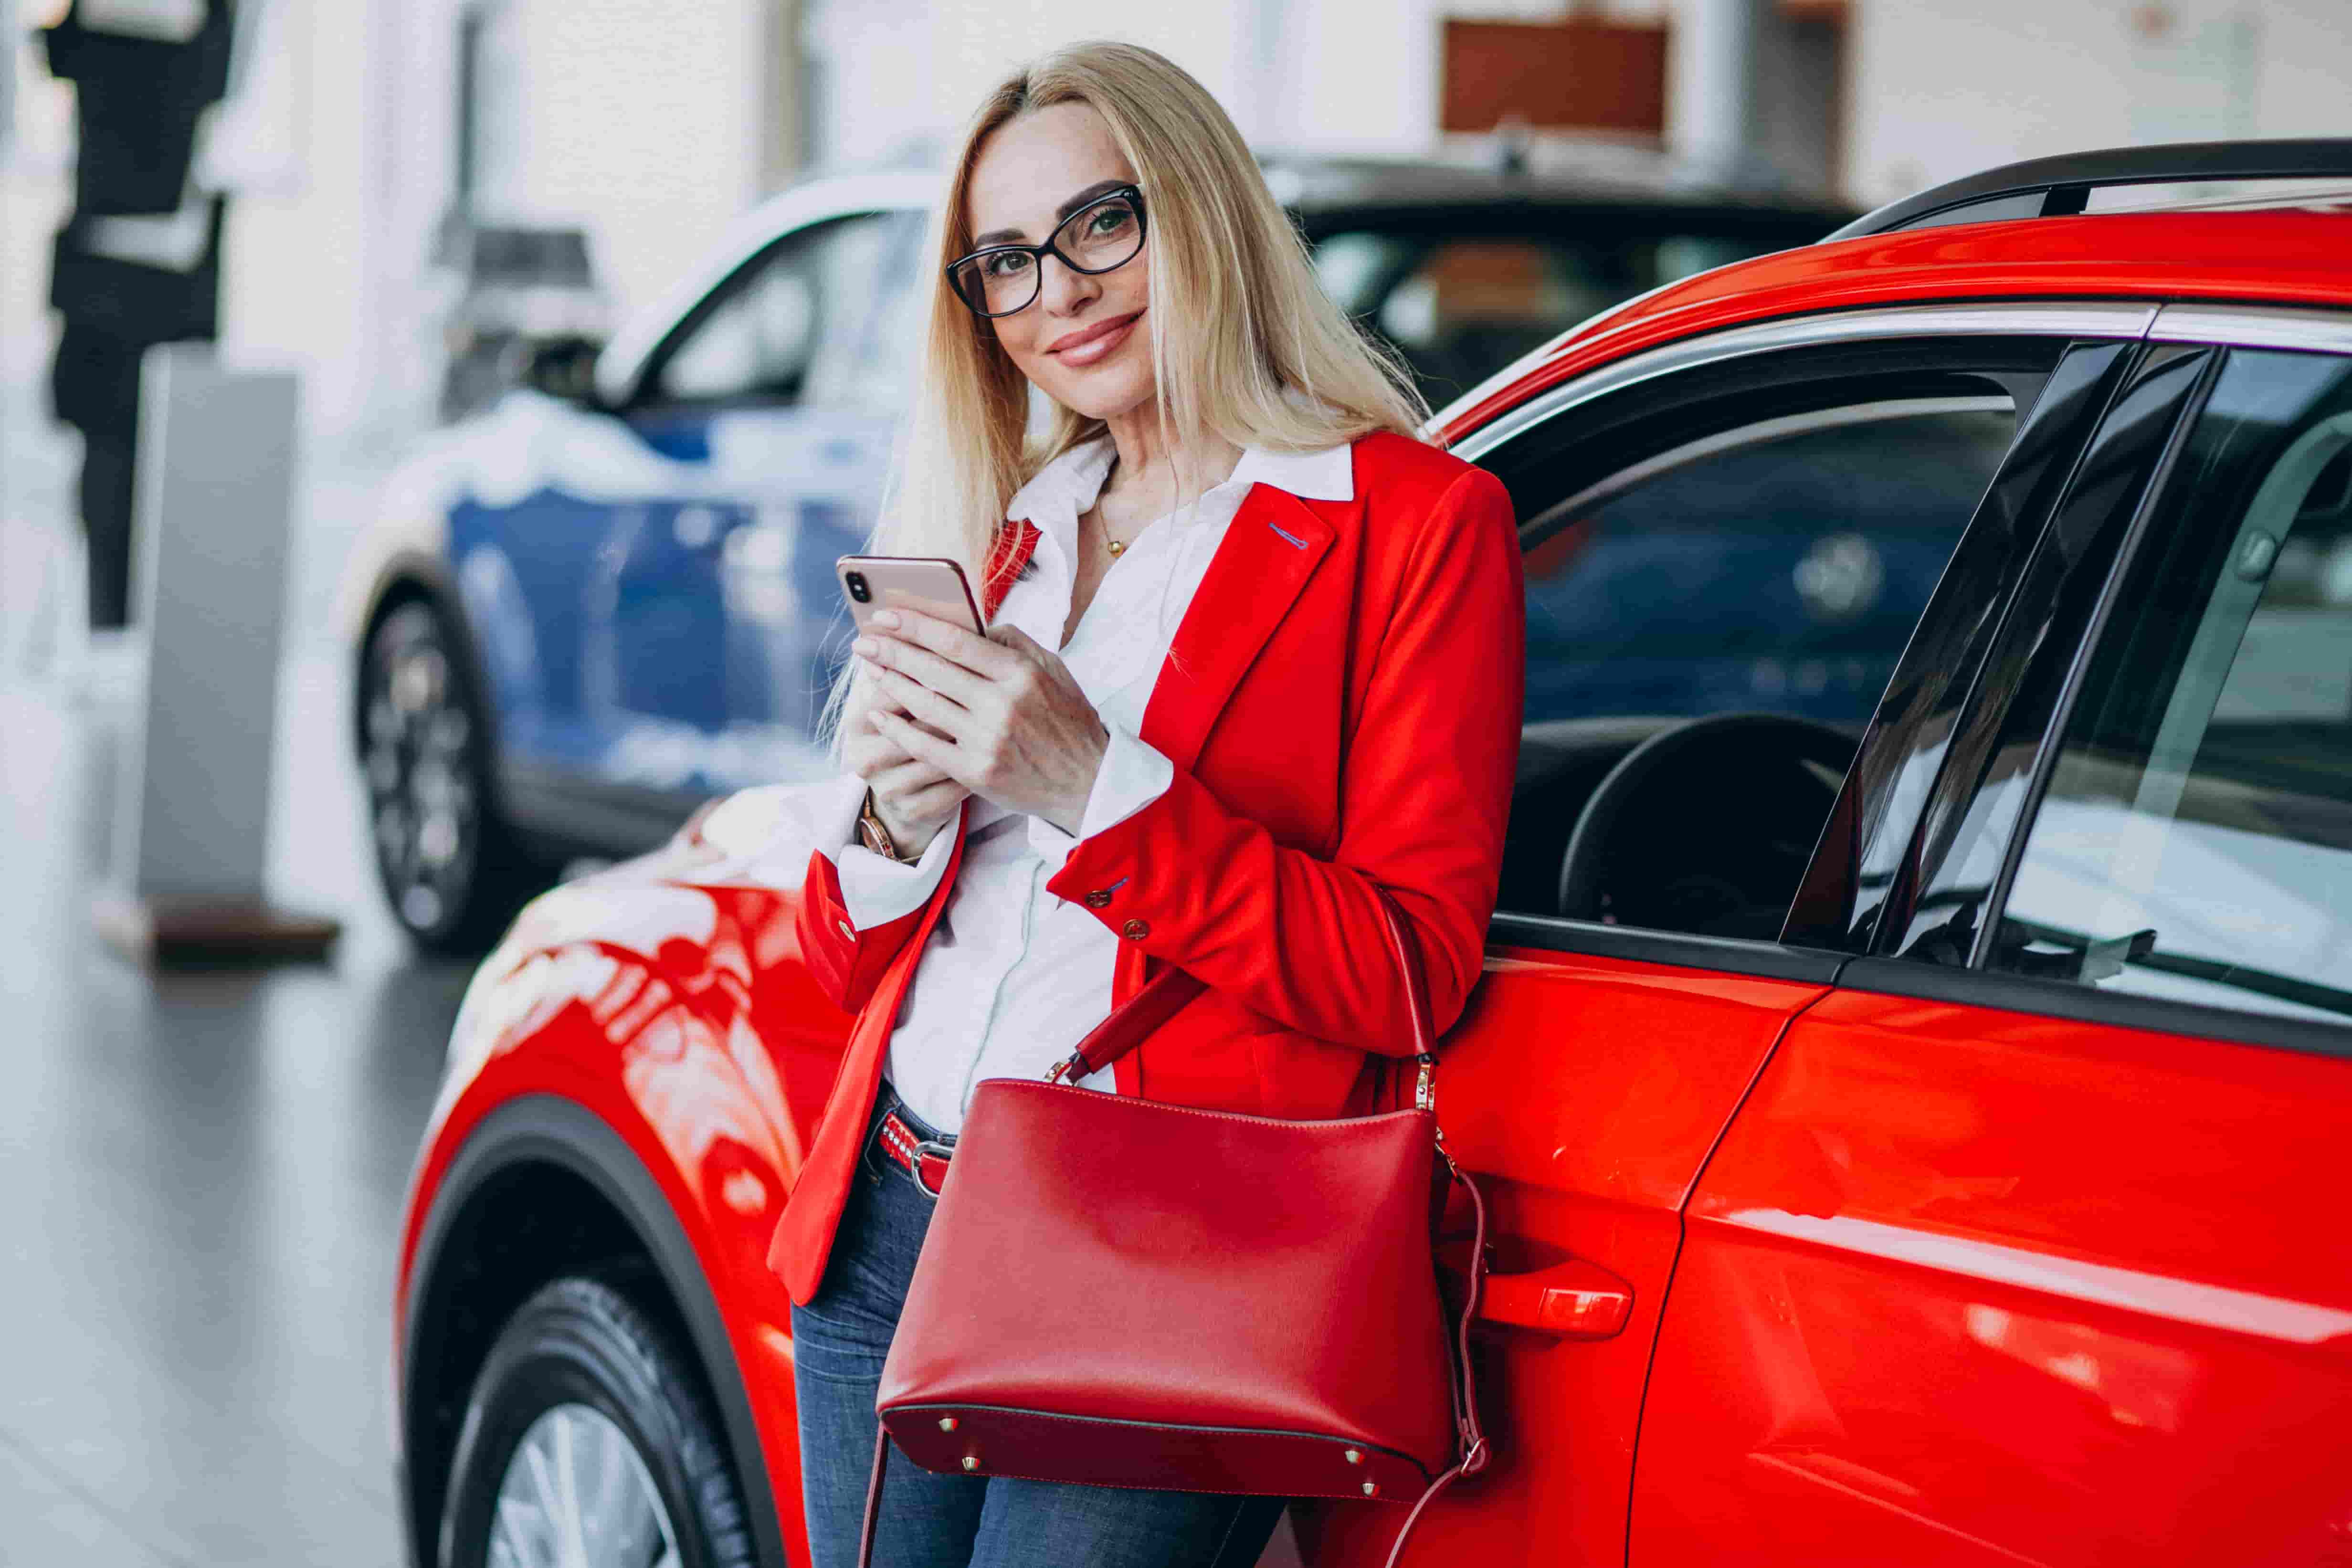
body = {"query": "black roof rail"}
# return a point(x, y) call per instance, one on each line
point(2062, 186)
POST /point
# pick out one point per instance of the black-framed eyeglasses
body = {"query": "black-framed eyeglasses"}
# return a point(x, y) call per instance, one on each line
point(1101, 237)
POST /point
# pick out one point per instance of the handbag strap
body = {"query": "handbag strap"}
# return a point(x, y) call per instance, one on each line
point(1135, 1021)
point(1471, 1435)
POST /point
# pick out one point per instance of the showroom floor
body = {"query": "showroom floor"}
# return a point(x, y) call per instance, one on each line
point(200, 1181)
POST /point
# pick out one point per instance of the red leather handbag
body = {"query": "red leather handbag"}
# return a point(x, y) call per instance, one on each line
point(1117, 1292)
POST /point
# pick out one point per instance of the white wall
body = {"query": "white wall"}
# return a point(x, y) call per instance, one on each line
point(295, 267)
point(642, 123)
point(1366, 76)
point(1938, 91)
point(637, 119)
point(1336, 74)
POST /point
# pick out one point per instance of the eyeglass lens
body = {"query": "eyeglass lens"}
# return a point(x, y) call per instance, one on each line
point(1096, 238)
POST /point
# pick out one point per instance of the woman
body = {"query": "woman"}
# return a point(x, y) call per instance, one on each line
point(1252, 649)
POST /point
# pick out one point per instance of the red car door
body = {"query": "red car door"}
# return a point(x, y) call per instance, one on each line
point(1632, 985)
point(1586, 1151)
point(2028, 1245)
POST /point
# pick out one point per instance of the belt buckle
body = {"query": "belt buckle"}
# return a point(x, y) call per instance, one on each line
point(943, 1152)
point(907, 1151)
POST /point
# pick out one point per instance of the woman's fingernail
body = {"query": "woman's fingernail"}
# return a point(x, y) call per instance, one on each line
point(886, 619)
point(864, 645)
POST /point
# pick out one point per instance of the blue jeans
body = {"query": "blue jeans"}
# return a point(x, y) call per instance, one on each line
point(958, 1521)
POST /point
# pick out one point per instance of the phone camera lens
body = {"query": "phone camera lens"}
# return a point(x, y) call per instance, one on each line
point(858, 589)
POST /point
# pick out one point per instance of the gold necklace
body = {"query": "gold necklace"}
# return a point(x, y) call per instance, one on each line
point(1101, 520)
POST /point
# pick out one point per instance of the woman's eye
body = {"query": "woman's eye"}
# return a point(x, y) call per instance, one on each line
point(1006, 264)
point(1110, 220)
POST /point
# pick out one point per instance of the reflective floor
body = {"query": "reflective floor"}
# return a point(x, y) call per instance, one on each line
point(200, 1180)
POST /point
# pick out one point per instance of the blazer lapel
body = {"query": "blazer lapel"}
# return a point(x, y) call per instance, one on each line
point(1015, 543)
point(1269, 550)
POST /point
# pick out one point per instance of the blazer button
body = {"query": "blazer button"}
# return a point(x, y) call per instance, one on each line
point(1098, 899)
point(1135, 930)
point(848, 930)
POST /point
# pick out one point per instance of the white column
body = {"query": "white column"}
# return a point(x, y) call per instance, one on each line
point(1711, 83)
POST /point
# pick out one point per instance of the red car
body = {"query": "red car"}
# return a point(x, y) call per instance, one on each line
point(1917, 1130)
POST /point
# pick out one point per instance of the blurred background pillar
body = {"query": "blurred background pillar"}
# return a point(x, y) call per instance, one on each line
point(1757, 92)
point(216, 523)
point(1716, 89)
point(137, 261)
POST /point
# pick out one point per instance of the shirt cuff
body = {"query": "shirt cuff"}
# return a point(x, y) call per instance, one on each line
point(1132, 776)
point(876, 890)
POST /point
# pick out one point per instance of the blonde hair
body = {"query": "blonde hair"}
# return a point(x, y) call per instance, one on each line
point(1258, 353)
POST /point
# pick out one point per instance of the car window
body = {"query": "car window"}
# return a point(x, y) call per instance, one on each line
point(1778, 568)
point(789, 327)
point(1970, 769)
point(881, 374)
point(1460, 308)
point(1766, 576)
point(2194, 841)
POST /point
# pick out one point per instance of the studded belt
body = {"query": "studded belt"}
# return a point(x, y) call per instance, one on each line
point(924, 1159)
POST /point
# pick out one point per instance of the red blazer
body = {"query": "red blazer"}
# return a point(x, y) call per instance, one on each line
point(1342, 704)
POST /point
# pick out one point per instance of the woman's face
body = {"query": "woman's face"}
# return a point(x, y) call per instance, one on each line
point(1085, 341)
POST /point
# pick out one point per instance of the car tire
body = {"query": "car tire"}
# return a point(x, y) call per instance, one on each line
point(452, 871)
point(588, 1423)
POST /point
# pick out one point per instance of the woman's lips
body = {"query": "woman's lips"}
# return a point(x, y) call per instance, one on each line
point(1095, 342)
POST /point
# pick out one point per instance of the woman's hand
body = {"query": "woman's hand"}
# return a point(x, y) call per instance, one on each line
point(1012, 724)
point(913, 798)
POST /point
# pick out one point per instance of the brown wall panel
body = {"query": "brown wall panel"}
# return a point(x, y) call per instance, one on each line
point(1579, 74)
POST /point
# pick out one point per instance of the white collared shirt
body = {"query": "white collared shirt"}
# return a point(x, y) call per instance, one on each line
point(1013, 977)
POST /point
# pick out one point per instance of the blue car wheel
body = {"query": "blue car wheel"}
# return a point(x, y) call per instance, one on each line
point(452, 871)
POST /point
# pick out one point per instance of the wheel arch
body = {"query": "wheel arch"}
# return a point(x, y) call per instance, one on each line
point(536, 1155)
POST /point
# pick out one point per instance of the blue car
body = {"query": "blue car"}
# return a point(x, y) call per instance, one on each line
point(579, 615)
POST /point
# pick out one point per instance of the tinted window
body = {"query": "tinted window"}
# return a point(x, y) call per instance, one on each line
point(2195, 841)
point(1460, 309)
point(792, 326)
point(1776, 568)
point(881, 374)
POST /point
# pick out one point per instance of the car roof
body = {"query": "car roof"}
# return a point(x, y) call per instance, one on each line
point(1579, 177)
point(2286, 256)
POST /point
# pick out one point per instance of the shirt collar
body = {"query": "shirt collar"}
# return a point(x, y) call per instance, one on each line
point(1068, 484)
point(1326, 476)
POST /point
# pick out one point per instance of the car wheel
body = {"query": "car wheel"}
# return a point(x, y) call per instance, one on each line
point(452, 871)
point(588, 1442)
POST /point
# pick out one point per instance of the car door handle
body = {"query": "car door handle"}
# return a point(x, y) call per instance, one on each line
point(1574, 1300)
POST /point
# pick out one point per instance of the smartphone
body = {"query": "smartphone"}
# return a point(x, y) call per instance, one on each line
point(934, 585)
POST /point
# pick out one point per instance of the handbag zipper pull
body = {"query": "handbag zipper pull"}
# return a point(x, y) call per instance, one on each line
point(1425, 1093)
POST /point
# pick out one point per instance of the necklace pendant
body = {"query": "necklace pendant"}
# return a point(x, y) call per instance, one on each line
point(1113, 545)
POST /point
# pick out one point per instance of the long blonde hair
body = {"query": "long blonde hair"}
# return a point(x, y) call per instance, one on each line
point(1258, 354)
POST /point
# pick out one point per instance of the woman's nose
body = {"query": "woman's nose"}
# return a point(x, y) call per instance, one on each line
point(1064, 289)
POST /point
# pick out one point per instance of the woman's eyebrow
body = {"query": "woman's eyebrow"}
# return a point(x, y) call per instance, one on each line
point(1095, 192)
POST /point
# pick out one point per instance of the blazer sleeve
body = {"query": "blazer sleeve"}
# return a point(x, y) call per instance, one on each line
point(846, 962)
point(848, 936)
point(1425, 793)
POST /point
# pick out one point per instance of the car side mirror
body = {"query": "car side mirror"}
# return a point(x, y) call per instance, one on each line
point(564, 367)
